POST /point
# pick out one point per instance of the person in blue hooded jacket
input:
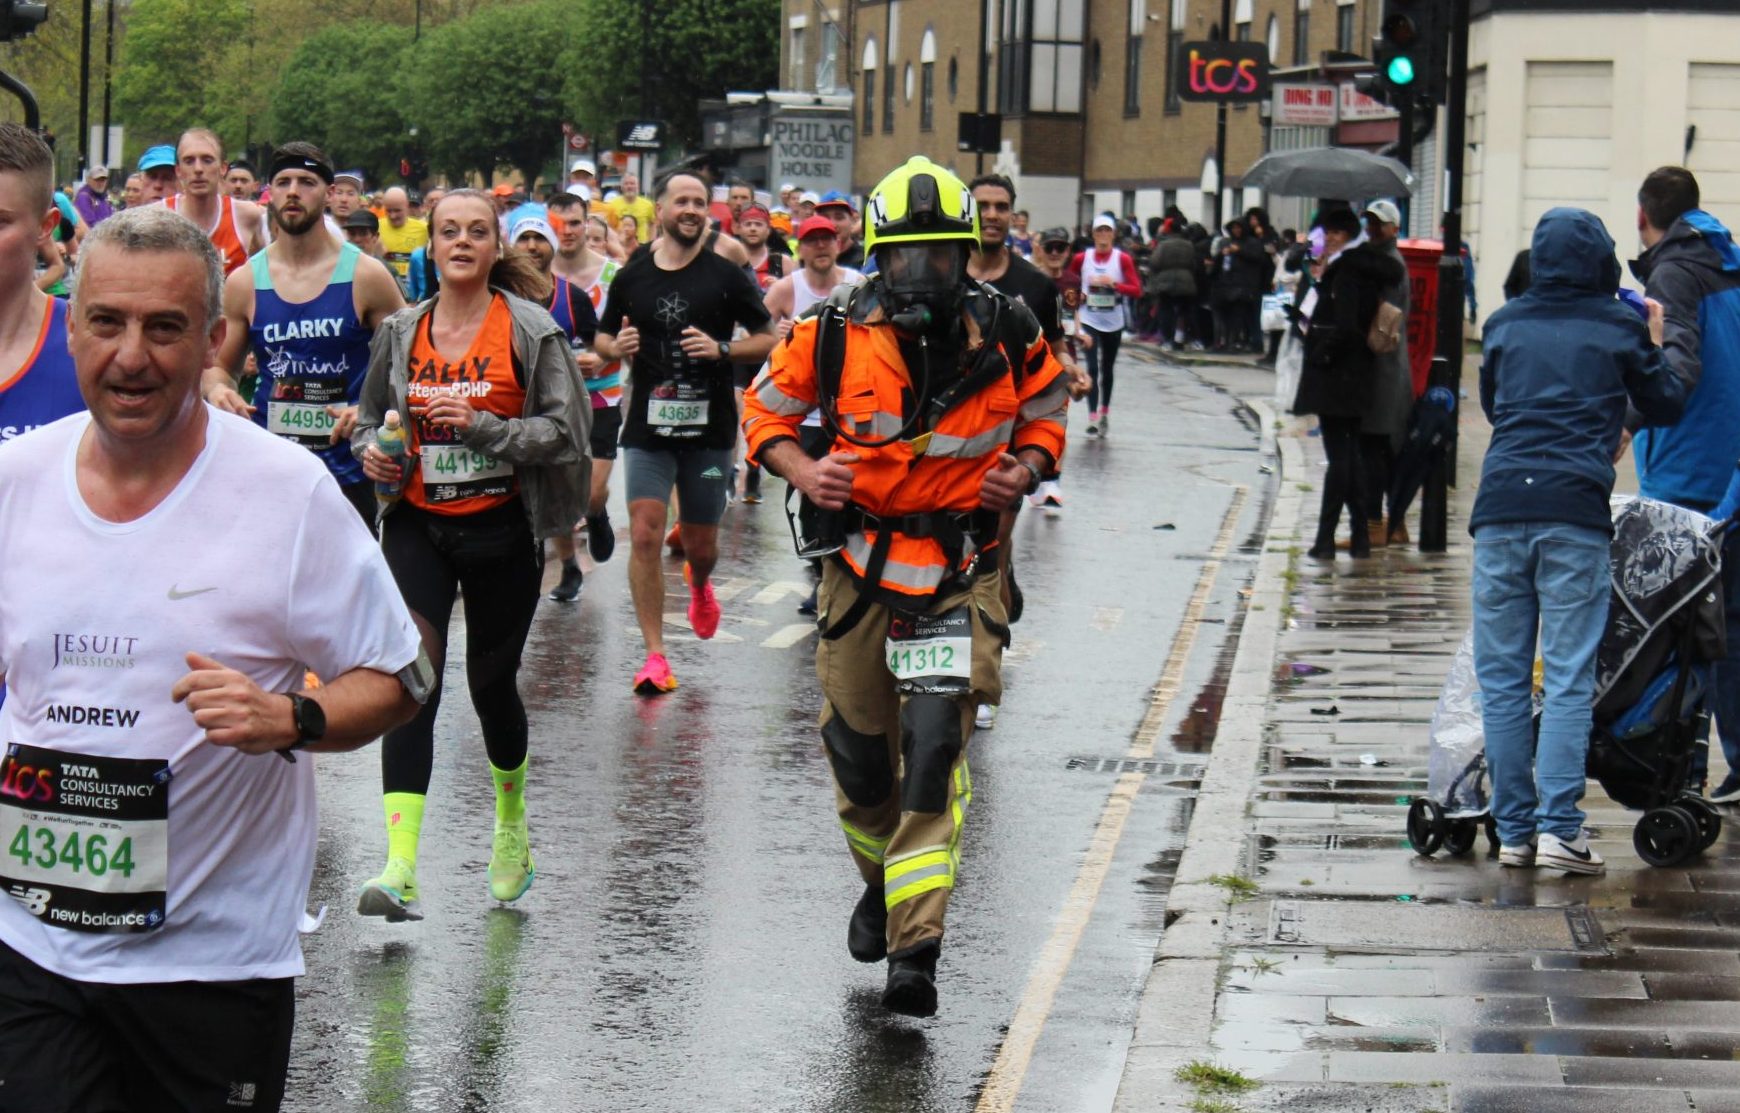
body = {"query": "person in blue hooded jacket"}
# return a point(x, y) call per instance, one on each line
point(1691, 265)
point(1562, 363)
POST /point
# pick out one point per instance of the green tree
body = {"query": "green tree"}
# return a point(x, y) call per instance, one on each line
point(480, 90)
point(682, 51)
point(184, 63)
point(340, 91)
point(48, 62)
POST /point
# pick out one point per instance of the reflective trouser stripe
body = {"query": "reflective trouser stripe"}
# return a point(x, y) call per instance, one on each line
point(868, 845)
point(917, 874)
point(933, 867)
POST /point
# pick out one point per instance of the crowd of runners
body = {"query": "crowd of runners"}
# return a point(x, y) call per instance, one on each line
point(467, 366)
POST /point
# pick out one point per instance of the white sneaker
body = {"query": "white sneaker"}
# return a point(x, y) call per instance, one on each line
point(986, 718)
point(1517, 857)
point(1049, 495)
point(1576, 856)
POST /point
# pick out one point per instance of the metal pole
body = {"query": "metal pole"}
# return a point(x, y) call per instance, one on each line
point(1220, 129)
point(1405, 154)
point(109, 157)
point(984, 82)
point(85, 91)
point(32, 113)
point(1447, 363)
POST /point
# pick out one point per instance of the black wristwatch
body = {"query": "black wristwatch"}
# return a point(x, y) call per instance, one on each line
point(1038, 475)
point(310, 721)
point(724, 349)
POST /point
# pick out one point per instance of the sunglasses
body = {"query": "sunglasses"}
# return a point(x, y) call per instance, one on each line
point(1054, 247)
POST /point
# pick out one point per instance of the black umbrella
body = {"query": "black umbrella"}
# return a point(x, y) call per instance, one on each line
point(1341, 173)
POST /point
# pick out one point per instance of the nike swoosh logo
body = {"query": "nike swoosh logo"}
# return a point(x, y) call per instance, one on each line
point(176, 595)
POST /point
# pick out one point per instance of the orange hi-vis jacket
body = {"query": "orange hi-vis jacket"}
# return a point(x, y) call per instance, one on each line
point(941, 472)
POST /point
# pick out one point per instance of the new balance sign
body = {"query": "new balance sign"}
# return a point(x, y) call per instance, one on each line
point(635, 135)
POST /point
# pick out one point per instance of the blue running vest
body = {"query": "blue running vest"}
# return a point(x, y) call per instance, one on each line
point(45, 389)
point(311, 355)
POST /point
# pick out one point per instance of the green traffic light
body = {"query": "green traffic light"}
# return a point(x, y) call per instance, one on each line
point(1401, 70)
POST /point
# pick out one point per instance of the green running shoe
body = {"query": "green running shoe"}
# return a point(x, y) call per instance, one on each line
point(393, 894)
point(510, 866)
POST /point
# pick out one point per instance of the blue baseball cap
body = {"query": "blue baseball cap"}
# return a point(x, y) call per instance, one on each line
point(835, 197)
point(157, 157)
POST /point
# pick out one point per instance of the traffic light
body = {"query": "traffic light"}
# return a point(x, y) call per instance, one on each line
point(1411, 49)
point(19, 18)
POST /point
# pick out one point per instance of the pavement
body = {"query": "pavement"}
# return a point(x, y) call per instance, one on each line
point(1312, 961)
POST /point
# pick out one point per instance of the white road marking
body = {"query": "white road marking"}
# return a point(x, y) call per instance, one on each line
point(789, 636)
point(778, 590)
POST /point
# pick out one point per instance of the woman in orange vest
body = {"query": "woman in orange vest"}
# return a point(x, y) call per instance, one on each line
point(498, 422)
point(944, 406)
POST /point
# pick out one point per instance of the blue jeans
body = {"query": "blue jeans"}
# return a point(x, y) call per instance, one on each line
point(1546, 579)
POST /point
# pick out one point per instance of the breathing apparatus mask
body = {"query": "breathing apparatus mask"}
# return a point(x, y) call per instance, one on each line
point(924, 284)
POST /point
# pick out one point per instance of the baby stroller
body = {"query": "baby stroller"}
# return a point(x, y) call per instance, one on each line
point(1664, 629)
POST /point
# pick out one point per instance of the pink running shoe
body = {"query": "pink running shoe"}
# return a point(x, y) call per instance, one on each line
point(654, 677)
point(703, 607)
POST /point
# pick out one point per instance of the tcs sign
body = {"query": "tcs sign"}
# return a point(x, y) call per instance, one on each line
point(1223, 71)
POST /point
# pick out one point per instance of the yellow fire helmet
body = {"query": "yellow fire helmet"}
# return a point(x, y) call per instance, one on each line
point(920, 202)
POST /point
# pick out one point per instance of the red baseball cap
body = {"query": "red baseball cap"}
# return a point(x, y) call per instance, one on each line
point(754, 212)
point(817, 224)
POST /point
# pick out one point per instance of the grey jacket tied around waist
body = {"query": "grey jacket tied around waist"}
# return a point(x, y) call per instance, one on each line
point(546, 444)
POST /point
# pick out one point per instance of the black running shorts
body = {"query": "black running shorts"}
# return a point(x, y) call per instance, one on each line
point(68, 1046)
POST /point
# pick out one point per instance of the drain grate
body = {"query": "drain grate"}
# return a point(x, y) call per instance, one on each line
point(1120, 766)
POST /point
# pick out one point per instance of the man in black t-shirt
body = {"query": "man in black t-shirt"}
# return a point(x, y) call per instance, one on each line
point(995, 265)
point(672, 312)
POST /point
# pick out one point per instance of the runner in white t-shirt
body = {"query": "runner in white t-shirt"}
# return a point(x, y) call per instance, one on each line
point(157, 833)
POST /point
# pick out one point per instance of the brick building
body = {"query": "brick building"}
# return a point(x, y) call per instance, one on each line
point(1082, 85)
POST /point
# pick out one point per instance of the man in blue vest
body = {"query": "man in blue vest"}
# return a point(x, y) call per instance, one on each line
point(1691, 265)
point(308, 306)
point(37, 385)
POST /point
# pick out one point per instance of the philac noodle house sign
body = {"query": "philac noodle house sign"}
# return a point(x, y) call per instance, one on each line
point(812, 149)
point(1237, 72)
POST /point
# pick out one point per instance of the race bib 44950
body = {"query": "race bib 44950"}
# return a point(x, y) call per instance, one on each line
point(84, 841)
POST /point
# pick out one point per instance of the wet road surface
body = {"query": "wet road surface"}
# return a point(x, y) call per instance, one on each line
point(683, 946)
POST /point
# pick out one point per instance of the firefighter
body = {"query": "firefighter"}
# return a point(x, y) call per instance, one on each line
point(942, 406)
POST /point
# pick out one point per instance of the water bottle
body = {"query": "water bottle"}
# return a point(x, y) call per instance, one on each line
point(391, 440)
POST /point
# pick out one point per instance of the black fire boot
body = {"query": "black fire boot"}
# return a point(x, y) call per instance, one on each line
point(867, 934)
point(911, 989)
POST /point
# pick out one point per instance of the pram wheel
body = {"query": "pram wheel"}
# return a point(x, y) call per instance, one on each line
point(1708, 819)
point(1461, 836)
point(1666, 836)
point(1426, 826)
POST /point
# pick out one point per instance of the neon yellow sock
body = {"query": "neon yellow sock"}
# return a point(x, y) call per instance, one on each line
point(404, 823)
point(510, 792)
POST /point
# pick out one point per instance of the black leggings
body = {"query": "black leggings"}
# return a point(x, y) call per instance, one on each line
point(1100, 358)
point(1343, 484)
point(493, 558)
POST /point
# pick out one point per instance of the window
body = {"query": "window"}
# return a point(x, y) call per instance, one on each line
point(1175, 54)
point(1133, 76)
point(1242, 21)
point(1301, 35)
point(888, 99)
point(1055, 56)
point(798, 77)
point(1344, 27)
point(1133, 59)
point(927, 81)
point(827, 68)
point(867, 94)
point(1274, 41)
point(954, 79)
point(1094, 65)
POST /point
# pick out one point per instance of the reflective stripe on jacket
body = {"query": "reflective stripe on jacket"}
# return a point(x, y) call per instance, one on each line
point(912, 476)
